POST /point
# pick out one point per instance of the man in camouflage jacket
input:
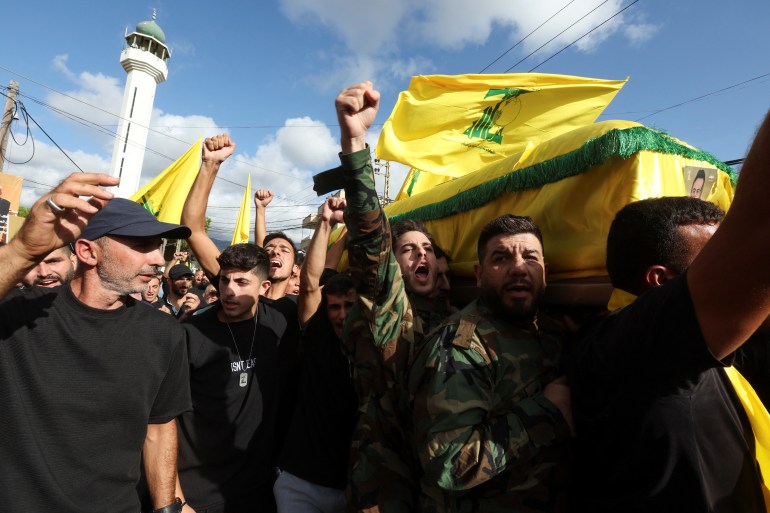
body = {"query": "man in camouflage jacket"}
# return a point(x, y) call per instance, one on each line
point(393, 312)
point(491, 415)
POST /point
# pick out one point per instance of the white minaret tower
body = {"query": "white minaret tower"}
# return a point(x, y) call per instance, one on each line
point(144, 59)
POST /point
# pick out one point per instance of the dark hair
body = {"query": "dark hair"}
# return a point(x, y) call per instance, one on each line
point(646, 233)
point(337, 285)
point(508, 224)
point(408, 225)
point(700, 174)
point(247, 257)
point(280, 235)
point(440, 253)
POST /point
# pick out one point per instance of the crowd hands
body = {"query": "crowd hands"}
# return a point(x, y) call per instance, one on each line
point(366, 389)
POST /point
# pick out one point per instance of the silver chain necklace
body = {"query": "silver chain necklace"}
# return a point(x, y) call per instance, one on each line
point(244, 377)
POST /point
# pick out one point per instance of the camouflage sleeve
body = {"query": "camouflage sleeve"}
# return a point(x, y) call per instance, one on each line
point(465, 433)
point(375, 270)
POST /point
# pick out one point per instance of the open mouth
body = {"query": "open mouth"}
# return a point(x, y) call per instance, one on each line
point(47, 282)
point(421, 273)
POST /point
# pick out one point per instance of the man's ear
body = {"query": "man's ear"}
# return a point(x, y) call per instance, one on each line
point(545, 273)
point(657, 275)
point(264, 287)
point(87, 252)
point(477, 270)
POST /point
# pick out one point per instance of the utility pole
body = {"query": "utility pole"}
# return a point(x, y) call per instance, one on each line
point(8, 115)
point(382, 168)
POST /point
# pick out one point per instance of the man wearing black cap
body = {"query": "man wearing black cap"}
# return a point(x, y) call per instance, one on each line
point(180, 300)
point(90, 388)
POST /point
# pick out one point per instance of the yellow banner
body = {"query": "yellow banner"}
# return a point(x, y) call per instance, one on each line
point(164, 195)
point(243, 224)
point(454, 125)
point(571, 185)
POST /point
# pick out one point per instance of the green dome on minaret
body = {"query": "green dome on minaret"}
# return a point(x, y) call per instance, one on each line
point(152, 29)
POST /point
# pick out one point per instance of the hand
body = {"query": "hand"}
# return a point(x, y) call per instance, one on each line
point(45, 230)
point(356, 107)
point(217, 149)
point(333, 210)
point(557, 391)
point(164, 309)
point(191, 302)
point(262, 198)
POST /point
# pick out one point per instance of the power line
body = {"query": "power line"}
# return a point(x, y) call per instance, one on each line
point(138, 124)
point(712, 93)
point(27, 114)
point(525, 37)
point(584, 35)
point(557, 35)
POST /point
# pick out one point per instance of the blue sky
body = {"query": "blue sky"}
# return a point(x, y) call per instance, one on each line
point(268, 72)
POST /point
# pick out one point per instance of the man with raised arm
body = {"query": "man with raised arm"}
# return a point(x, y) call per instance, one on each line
point(391, 275)
point(280, 248)
point(664, 423)
point(314, 459)
point(82, 408)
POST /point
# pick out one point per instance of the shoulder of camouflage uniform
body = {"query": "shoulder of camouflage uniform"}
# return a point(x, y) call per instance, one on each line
point(460, 330)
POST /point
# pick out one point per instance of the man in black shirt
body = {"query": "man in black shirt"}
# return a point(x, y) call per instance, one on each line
point(660, 426)
point(314, 460)
point(83, 409)
point(241, 370)
point(243, 364)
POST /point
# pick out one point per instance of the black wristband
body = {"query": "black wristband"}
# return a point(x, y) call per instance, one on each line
point(174, 507)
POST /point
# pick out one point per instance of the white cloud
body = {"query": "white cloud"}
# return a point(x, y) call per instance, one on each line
point(366, 27)
point(48, 166)
point(284, 163)
point(60, 63)
point(97, 97)
point(375, 32)
point(638, 33)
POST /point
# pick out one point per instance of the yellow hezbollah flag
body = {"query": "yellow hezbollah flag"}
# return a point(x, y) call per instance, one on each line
point(164, 195)
point(453, 125)
point(242, 225)
point(571, 185)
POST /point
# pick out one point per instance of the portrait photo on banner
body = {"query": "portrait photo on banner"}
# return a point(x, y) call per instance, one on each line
point(699, 181)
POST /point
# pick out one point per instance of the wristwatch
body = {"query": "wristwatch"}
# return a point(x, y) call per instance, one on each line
point(174, 507)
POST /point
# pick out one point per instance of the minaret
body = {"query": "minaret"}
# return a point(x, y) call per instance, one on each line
point(144, 59)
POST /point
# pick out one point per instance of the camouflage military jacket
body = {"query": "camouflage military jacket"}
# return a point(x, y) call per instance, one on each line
point(379, 336)
point(487, 438)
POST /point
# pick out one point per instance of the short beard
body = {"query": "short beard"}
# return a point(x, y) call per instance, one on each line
point(515, 312)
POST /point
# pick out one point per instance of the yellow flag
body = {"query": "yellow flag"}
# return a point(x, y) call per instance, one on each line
point(164, 195)
point(243, 225)
point(453, 125)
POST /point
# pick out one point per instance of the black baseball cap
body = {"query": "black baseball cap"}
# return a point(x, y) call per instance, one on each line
point(178, 271)
point(130, 219)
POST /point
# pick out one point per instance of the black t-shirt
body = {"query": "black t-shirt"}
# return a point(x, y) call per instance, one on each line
point(78, 387)
point(753, 361)
point(659, 425)
point(317, 446)
point(228, 444)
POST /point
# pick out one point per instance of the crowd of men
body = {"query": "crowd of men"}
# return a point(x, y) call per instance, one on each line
point(265, 382)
